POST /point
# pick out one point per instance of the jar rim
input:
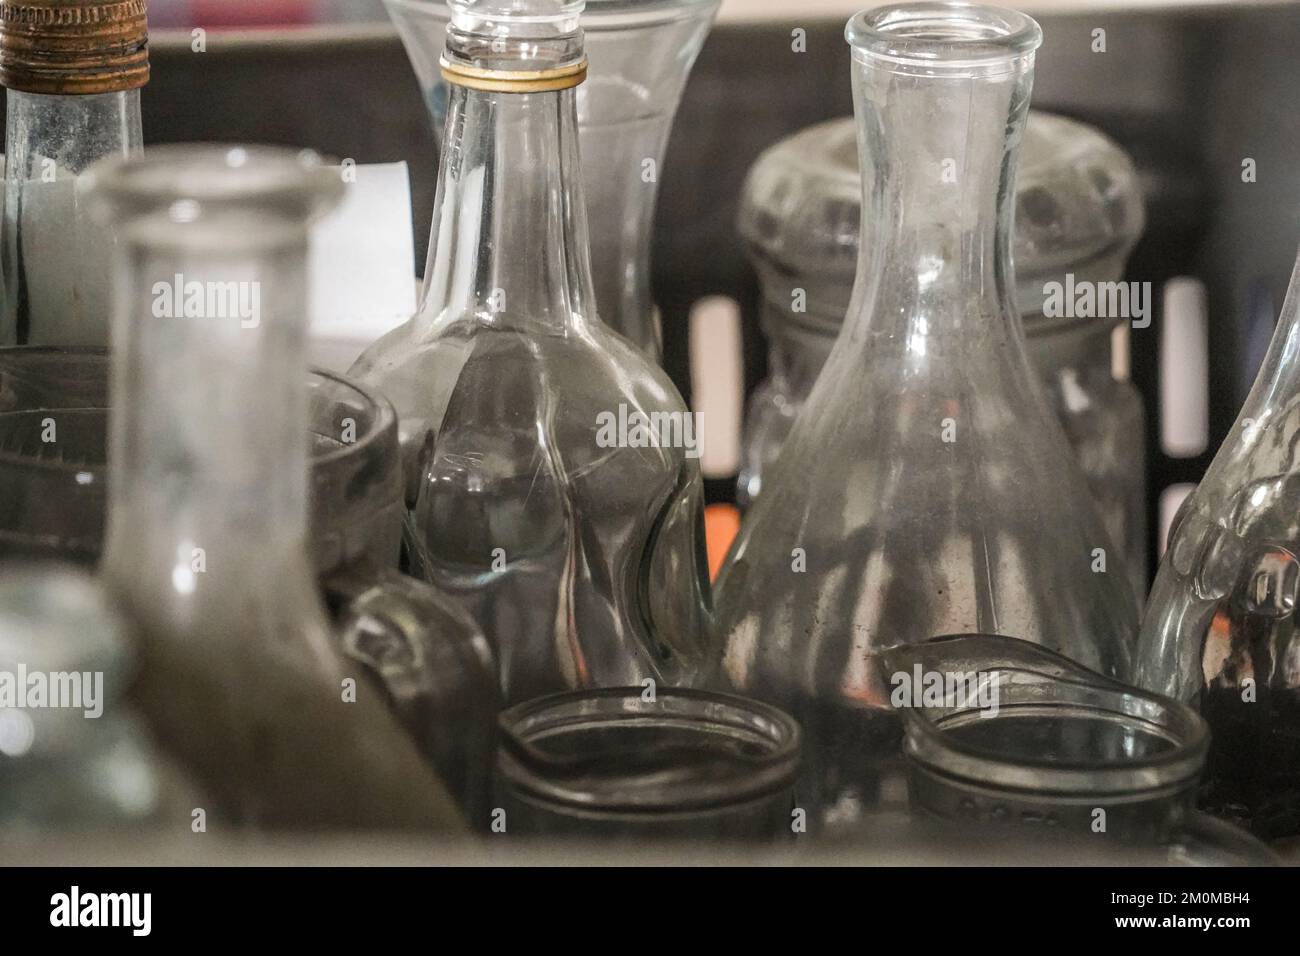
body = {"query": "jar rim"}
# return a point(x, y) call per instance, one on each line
point(609, 708)
point(942, 36)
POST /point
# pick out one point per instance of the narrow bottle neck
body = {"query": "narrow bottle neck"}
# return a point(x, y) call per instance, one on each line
point(55, 258)
point(939, 157)
point(509, 244)
point(209, 446)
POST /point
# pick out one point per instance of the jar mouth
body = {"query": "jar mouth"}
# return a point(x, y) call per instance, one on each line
point(943, 38)
point(1053, 726)
point(612, 750)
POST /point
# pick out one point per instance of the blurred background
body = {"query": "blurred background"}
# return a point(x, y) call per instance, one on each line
point(1189, 89)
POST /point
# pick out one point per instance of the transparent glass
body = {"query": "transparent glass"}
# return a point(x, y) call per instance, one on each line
point(640, 53)
point(575, 542)
point(55, 258)
point(615, 763)
point(925, 487)
point(241, 679)
point(1029, 743)
point(1078, 213)
point(85, 763)
point(1220, 627)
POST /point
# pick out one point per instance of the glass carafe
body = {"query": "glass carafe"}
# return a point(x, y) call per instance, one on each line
point(554, 481)
point(1220, 627)
point(72, 70)
point(925, 487)
point(1078, 213)
point(640, 52)
point(206, 549)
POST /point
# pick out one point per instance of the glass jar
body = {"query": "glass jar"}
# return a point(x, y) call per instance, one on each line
point(1006, 735)
point(1078, 211)
point(637, 763)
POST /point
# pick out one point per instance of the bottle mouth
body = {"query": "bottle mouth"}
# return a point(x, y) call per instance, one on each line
point(943, 38)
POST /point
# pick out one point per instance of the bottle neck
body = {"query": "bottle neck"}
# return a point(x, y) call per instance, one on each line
point(55, 258)
point(209, 446)
point(509, 245)
point(939, 158)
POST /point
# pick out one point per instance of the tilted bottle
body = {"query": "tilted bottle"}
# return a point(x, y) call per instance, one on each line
point(240, 677)
point(925, 488)
point(553, 468)
point(73, 70)
point(1220, 627)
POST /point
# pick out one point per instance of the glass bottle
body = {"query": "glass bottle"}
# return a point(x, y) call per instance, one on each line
point(554, 481)
point(72, 70)
point(1078, 214)
point(206, 546)
point(640, 52)
point(925, 487)
point(1220, 626)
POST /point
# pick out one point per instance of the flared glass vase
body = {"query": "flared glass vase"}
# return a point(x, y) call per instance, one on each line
point(925, 488)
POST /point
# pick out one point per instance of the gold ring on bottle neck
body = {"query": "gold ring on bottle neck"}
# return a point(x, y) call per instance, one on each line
point(514, 81)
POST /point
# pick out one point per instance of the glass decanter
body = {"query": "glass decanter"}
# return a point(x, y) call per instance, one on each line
point(1220, 627)
point(573, 536)
point(72, 70)
point(206, 547)
point(1078, 214)
point(640, 52)
point(925, 487)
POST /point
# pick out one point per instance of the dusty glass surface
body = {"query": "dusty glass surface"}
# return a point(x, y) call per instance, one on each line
point(552, 468)
point(1078, 214)
point(54, 256)
point(241, 679)
point(925, 488)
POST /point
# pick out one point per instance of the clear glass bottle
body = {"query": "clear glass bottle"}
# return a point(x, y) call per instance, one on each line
point(1220, 626)
point(240, 678)
point(573, 536)
point(72, 70)
point(640, 52)
point(925, 487)
point(1078, 214)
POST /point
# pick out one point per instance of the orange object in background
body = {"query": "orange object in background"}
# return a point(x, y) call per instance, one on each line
point(721, 525)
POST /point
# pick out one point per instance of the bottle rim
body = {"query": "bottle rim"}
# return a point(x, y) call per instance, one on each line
point(941, 37)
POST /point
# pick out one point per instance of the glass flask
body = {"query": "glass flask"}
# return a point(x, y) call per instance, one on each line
point(1220, 630)
point(640, 52)
point(1078, 214)
point(925, 487)
point(1024, 741)
point(617, 763)
point(240, 678)
point(553, 474)
point(72, 70)
point(73, 756)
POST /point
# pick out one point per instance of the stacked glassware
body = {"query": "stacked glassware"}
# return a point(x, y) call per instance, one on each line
point(924, 618)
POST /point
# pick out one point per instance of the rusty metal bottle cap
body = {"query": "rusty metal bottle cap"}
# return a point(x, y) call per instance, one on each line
point(74, 46)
